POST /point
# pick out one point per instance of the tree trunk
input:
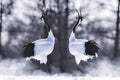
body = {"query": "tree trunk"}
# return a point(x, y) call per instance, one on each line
point(116, 48)
point(67, 60)
point(61, 59)
point(1, 48)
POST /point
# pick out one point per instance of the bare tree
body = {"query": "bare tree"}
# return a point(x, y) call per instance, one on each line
point(116, 48)
point(1, 12)
point(5, 9)
point(60, 59)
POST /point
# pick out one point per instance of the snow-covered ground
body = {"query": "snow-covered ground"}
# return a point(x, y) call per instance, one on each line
point(55, 78)
point(15, 70)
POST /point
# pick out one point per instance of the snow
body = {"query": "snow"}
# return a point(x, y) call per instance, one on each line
point(57, 77)
point(15, 70)
point(26, 7)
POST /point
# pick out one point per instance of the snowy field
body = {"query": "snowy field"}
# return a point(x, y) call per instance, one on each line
point(54, 78)
point(15, 70)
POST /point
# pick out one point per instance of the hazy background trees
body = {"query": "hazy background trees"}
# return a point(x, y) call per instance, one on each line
point(21, 23)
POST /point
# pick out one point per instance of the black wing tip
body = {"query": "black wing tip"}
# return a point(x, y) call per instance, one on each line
point(91, 48)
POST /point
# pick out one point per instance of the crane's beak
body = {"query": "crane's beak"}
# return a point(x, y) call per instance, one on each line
point(80, 21)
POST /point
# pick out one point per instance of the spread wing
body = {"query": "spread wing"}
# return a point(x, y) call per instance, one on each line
point(77, 49)
point(42, 49)
point(28, 50)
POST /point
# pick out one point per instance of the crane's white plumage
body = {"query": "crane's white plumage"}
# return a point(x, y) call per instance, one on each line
point(77, 48)
point(43, 47)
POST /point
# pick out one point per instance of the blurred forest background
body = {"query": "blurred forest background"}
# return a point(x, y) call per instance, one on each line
point(20, 23)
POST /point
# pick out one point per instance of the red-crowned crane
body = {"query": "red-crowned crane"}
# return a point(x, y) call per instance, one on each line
point(82, 49)
point(41, 48)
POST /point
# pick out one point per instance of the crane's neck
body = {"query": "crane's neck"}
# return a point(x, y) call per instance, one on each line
point(72, 37)
point(51, 36)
